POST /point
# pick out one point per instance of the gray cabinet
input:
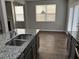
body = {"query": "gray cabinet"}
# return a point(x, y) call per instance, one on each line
point(35, 46)
point(29, 55)
point(37, 40)
point(31, 50)
point(72, 54)
point(71, 45)
point(34, 50)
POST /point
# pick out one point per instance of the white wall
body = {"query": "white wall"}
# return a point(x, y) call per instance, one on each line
point(59, 24)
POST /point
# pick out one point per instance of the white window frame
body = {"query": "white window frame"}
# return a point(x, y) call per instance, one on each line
point(46, 20)
point(20, 30)
point(17, 20)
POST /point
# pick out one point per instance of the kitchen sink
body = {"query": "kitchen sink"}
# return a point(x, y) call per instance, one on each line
point(19, 40)
point(15, 42)
point(23, 36)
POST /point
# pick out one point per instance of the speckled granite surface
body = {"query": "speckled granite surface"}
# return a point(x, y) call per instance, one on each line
point(75, 35)
point(12, 52)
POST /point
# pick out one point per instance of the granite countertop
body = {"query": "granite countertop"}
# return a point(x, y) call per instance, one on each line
point(75, 35)
point(12, 52)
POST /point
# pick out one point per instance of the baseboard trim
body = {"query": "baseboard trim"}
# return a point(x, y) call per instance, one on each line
point(53, 31)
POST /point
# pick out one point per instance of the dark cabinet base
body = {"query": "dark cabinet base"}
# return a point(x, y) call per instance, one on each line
point(31, 50)
point(71, 45)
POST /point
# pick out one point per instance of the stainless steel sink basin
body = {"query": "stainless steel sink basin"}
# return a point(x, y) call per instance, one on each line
point(23, 36)
point(15, 43)
point(19, 40)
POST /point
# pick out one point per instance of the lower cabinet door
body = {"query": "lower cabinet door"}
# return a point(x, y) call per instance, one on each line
point(29, 55)
point(69, 44)
point(72, 55)
point(34, 51)
point(37, 42)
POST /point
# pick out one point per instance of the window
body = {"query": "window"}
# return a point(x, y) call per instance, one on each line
point(19, 13)
point(45, 13)
point(20, 31)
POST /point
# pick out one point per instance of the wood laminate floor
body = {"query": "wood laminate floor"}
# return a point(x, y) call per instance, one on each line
point(52, 45)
